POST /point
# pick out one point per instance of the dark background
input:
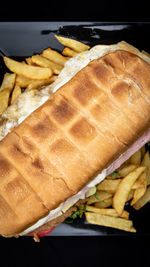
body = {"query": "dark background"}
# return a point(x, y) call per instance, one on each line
point(75, 251)
point(100, 10)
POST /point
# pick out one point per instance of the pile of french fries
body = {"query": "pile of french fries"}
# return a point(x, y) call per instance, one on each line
point(36, 71)
point(131, 184)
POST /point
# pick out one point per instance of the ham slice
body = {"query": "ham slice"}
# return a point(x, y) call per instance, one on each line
point(131, 150)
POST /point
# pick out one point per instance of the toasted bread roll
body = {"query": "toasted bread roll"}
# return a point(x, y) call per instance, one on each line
point(87, 124)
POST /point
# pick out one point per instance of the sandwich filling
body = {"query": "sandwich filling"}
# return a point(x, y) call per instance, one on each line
point(30, 101)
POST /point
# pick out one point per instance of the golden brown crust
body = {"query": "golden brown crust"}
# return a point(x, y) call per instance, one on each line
point(85, 125)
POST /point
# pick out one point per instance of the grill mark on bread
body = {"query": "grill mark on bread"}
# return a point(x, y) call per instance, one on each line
point(5, 167)
point(44, 128)
point(62, 112)
point(101, 72)
point(17, 190)
point(6, 211)
point(83, 130)
point(62, 146)
point(86, 91)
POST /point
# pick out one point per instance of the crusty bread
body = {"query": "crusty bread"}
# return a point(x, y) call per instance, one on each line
point(77, 133)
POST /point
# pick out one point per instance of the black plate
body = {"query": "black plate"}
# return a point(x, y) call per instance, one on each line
point(23, 39)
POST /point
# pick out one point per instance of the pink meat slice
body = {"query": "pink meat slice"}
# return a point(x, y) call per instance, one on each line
point(130, 151)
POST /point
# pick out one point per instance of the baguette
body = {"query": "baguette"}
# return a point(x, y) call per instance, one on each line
point(58, 149)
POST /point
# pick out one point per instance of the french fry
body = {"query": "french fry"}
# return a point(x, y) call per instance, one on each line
point(73, 44)
point(54, 56)
point(137, 184)
point(136, 158)
point(98, 197)
point(104, 203)
point(45, 62)
point(31, 72)
point(110, 221)
point(141, 181)
point(109, 185)
point(8, 81)
point(30, 62)
point(143, 200)
point(130, 196)
point(36, 84)
point(16, 92)
point(127, 169)
point(143, 151)
point(23, 81)
point(110, 211)
point(139, 192)
point(124, 188)
point(69, 52)
point(148, 176)
point(4, 99)
point(146, 162)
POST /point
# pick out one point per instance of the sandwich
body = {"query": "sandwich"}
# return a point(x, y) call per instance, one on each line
point(53, 155)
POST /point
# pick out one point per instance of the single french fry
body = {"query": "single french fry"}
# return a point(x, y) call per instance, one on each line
point(109, 211)
point(8, 81)
point(141, 181)
point(16, 92)
point(30, 62)
point(23, 81)
point(148, 176)
point(127, 169)
point(56, 68)
point(54, 56)
point(139, 192)
point(45, 62)
point(110, 221)
point(73, 44)
point(41, 61)
point(36, 84)
point(32, 72)
point(98, 197)
point(109, 185)
point(146, 162)
point(136, 158)
point(69, 52)
point(104, 203)
point(143, 200)
point(4, 99)
point(143, 151)
point(130, 196)
point(124, 188)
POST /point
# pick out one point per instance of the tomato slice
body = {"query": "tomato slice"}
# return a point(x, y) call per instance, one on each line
point(43, 233)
